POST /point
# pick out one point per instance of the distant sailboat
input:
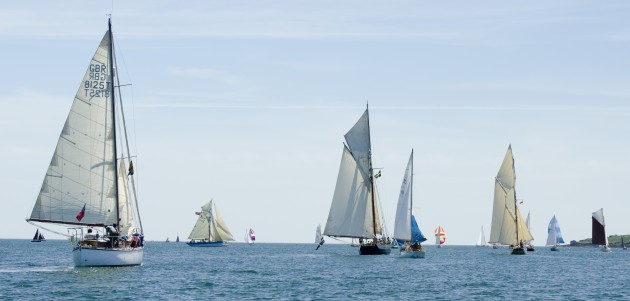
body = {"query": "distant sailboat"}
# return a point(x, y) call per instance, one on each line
point(508, 226)
point(319, 239)
point(87, 185)
point(354, 211)
point(554, 235)
point(406, 228)
point(528, 244)
point(177, 239)
point(481, 240)
point(599, 230)
point(210, 229)
point(39, 237)
point(623, 245)
point(250, 237)
point(167, 240)
point(440, 236)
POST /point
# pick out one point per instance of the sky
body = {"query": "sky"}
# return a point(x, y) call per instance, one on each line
point(247, 102)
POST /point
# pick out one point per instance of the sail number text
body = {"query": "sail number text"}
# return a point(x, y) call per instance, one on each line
point(97, 85)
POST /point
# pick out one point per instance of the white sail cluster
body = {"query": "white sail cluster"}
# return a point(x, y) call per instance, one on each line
point(210, 225)
point(506, 218)
point(351, 212)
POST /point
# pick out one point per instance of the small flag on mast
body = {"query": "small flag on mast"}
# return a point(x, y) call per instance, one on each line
point(81, 213)
point(130, 168)
point(197, 213)
point(378, 174)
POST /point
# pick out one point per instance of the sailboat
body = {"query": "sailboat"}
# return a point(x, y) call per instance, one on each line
point(508, 227)
point(481, 240)
point(354, 211)
point(440, 236)
point(210, 229)
point(250, 237)
point(168, 240)
point(406, 228)
point(623, 245)
point(86, 185)
point(554, 236)
point(177, 239)
point(599, 230)
point(38, 237)
point(528, 244)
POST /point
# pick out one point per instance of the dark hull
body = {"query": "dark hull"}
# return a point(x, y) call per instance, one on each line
point(371, 249)
point(518, 251)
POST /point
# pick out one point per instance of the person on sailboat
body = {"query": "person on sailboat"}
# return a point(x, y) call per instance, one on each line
point(113, 234)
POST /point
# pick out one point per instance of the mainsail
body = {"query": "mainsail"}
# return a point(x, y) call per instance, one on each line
point(82, 171)
point(402, 226)
point(354, 209)
point(599, 231)
point(508, 226)
point(210, 225)
point(481, 241)
point(554, 236)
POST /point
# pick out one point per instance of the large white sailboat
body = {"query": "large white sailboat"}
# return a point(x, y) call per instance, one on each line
point(406, 228)
point(508, 226)
point(354, 211)
point(210, 229)
point(86, 187)
point(599, 230)
point(554, 235)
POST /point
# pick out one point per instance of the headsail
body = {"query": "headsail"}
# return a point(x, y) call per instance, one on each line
point(83, 167)
point(416, 234)
point(506, 218)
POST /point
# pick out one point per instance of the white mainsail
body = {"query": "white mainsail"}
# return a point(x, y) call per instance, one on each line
point(354, 210)
point(210, 225)
point(83, 167)
point(481, 241)
point(402, 224)
point(506, 218)
point(318, 234)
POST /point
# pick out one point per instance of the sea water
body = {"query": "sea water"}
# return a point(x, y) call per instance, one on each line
point(175, 271)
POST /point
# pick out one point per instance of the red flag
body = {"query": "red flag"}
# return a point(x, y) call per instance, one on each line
point(197, 213)
point(81, 213)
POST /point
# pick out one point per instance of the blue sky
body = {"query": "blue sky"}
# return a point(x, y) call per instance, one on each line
point(247, 102)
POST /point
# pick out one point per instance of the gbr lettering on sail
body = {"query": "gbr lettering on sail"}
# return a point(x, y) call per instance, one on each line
point(97, 85)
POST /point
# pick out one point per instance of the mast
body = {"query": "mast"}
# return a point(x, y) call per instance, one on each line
point(111, 64)
point(371, 176)
point(515, 207)
point(411, 199)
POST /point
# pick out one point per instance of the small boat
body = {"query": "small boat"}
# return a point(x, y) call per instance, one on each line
point(599, 230)
point(167, 240)
point(554, 235)
point(354, 211)
point(440, 236)
point(623, 245)
point(39, 237)
point(406, 228)
point(177, 239)
point(508, 226)
point(210, 229)
point(319, 239)
point(250, 237)
point(481, 240)
point(87, 185)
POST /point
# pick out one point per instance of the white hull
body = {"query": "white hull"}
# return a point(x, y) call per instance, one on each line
point(412, 254)
point(88, 257)
point(605, 249)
